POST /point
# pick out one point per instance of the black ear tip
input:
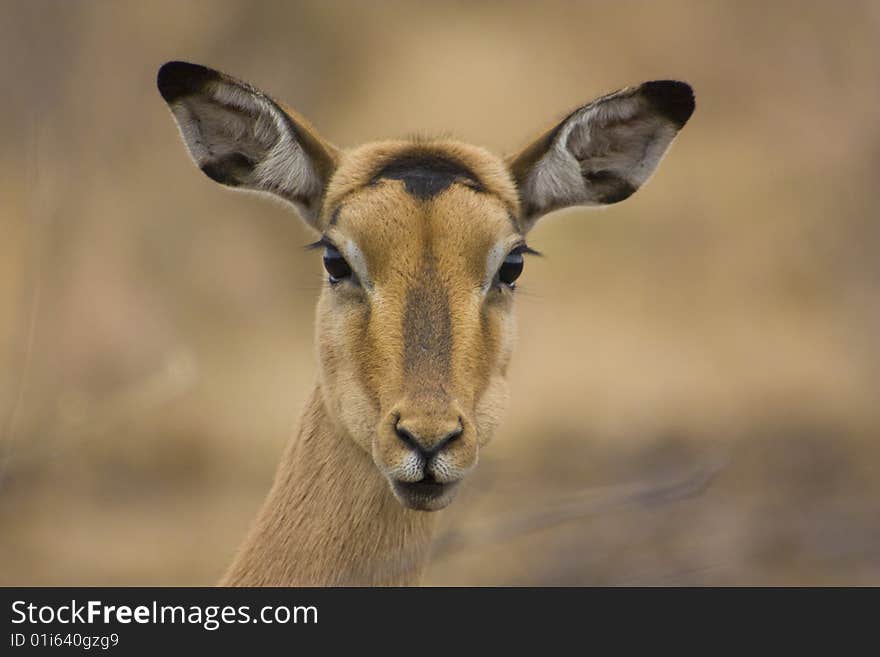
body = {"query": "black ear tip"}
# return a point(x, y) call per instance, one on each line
point(178, 79)
point(673, 99)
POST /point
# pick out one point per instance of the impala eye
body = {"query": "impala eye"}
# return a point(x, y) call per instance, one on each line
point(511, 268)
point(335, 264)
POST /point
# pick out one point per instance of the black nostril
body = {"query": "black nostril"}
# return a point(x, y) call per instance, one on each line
point(427, 451)
point(408, 438)
point(451, 437)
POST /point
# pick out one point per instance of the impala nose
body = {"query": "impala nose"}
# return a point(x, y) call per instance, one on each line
point(427, 436)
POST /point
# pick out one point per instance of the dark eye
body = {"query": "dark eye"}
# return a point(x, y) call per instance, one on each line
point(511, 268)
point(335, 265)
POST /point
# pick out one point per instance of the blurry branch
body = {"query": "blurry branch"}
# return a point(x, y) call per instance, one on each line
point(82, 419)
point(176, 375)
point(579, 506)
point(33, 281)
point(23, 376)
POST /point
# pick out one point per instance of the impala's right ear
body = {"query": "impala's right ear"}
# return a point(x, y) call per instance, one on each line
point(242, 138)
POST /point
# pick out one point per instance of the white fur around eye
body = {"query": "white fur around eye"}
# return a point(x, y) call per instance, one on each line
point(356, 260)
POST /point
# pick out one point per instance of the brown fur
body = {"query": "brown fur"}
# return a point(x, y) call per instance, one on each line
point(413, 347)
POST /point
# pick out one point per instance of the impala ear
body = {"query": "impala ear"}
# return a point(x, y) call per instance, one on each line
point(604, 151)
point(242, 138)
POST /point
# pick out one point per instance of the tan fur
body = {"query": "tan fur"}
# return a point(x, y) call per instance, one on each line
point(330, 519)
point(413, 347)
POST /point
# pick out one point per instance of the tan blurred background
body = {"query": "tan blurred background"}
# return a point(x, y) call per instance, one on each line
point(696, 392)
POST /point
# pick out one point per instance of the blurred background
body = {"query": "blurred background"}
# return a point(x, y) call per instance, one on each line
point(696, 391)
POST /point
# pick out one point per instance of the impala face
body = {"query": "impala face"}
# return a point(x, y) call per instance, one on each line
point(422, 246)
point(415, 324)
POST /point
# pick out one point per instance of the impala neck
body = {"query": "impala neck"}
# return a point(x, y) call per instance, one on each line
point(331, 519)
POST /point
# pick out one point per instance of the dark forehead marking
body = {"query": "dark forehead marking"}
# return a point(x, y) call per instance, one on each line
point(425, 175)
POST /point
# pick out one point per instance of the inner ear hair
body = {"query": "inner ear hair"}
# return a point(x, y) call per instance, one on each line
point(240, 137)
point(602, 152)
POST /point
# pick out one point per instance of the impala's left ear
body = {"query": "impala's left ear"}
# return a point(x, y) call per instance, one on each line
point(604, 151)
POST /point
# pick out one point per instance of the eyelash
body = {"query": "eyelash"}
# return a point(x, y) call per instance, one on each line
point(337, 267)
point(510, 269)
point(512, 266)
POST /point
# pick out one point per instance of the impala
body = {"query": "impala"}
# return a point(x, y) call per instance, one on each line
point(423, 242)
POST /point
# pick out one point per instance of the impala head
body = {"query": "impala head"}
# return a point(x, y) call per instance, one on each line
point(422, 242)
